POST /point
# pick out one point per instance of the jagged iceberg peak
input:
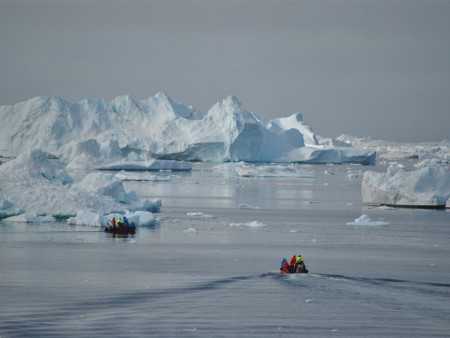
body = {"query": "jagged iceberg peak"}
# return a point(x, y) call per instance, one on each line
point(231, 108)
point(231, 104)
point(295, 121)
point(162, 102)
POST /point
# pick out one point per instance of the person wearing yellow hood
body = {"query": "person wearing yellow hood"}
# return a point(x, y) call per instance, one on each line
point(300, 265)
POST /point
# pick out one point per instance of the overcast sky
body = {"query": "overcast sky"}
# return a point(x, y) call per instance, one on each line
point(364, 68)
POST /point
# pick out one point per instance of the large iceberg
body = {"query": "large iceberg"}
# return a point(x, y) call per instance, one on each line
point(160, 128)
point(34, 184)
point(425, 187)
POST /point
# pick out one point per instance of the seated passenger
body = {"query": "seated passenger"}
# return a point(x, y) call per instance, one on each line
point(284, 266)
point(300, 265)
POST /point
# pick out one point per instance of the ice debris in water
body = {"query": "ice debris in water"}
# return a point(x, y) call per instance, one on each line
point(199, 214)
point(247, 206)
point(30, 217)
point(365, 220)
point(254, 224)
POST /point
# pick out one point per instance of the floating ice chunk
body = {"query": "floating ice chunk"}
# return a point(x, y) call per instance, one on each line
point(140, 176)
point(274, 171)
point(141, 218)
point(254, 224)
point(364, 220)
point(190, 231)
point(30, 217)
point(88, 217)
point(353, 173)
point(247, 206)
point(199, 214)
point(385, 207)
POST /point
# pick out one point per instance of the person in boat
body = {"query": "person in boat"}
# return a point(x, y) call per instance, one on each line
point(292, 263)
point(300, 265)
point(284, 266)
point(120, 223)
point(125, 221)
point(113, 222)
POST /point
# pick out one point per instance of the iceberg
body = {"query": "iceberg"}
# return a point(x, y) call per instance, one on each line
point(32, 183)
point(102, 134)
point(428, 187)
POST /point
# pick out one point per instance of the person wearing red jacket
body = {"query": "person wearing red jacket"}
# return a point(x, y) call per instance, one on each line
point(292, 263)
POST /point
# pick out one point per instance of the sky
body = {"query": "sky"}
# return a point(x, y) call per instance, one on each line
point(378, 69)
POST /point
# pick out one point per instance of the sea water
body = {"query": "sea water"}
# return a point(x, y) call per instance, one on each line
point(209, 267)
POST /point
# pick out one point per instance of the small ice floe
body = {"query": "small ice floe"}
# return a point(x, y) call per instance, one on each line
point(247, 206)
point(365, 220)
point(191, 231)
point(385, 207)
point(254, 224)
point(353, 173)
point(292, 231)
point(199, 214)
point(349, 204)
point(30, 217)
point(290, 171)
point(140, 176)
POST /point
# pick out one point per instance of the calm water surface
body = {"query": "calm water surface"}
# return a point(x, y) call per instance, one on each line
point(206, 270)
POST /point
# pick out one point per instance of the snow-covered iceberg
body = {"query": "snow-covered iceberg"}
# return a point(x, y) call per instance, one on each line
point(425, 187)
point(32, 183)
point(162, 129)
